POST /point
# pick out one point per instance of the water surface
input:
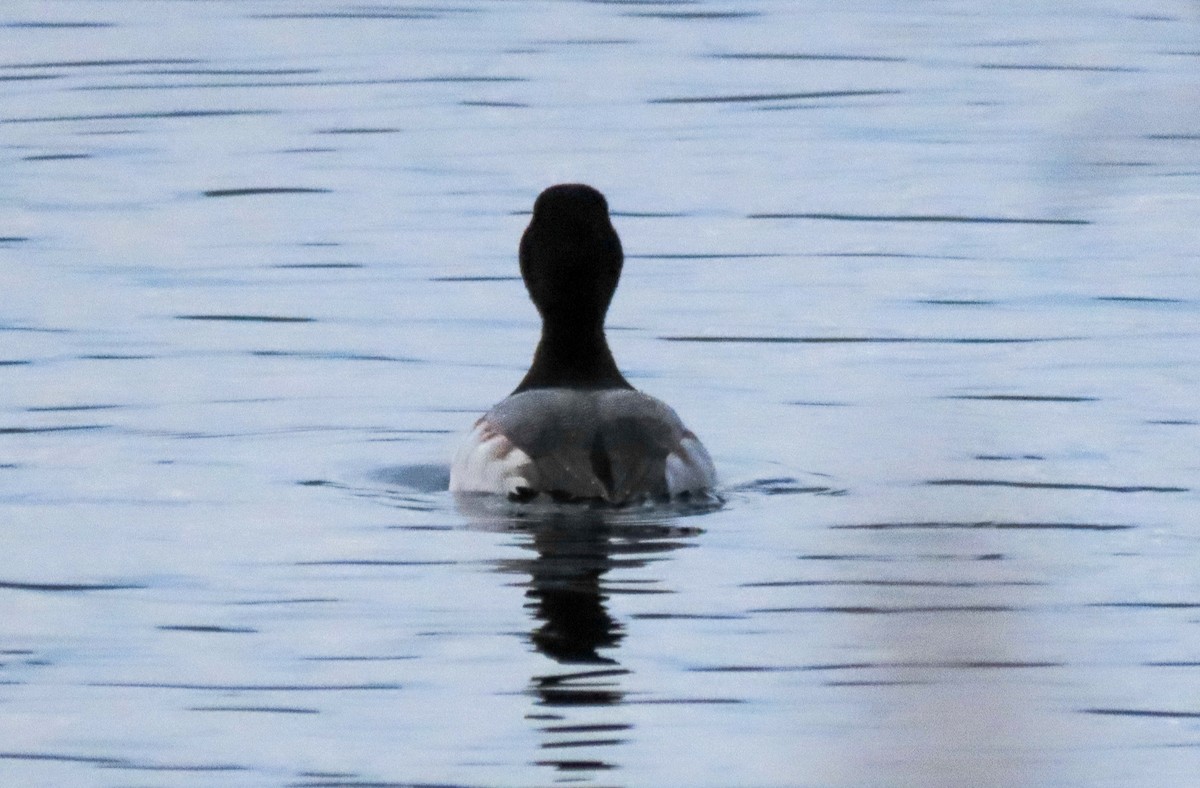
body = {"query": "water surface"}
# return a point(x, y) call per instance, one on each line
point(922, 277)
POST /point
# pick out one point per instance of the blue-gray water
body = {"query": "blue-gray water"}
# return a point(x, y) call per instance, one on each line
point(923, 276)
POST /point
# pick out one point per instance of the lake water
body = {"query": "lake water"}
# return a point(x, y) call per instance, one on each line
point(923, 276)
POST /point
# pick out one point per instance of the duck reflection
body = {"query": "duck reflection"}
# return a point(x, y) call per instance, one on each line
point(581, 559)
point(565, 592)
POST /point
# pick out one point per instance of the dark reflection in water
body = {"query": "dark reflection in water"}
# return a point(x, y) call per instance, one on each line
point(570, 581)
point(565, 594)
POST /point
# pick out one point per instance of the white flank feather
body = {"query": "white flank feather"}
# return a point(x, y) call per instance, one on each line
point(487, 462)
point(689, 468)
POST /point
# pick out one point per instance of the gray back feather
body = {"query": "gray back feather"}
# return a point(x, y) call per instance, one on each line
point(610, 444)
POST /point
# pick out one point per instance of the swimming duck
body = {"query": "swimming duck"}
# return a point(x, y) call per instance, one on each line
point(575, 429)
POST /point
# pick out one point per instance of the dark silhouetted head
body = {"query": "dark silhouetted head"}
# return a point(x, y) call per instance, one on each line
point(570, 254)
point(571, 262)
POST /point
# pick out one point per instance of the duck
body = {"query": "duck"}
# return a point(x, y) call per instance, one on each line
point(574, 429)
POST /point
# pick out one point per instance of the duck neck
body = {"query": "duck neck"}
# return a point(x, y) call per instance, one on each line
point(573, 356)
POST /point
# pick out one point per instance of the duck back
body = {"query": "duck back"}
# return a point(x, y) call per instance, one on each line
point(613, 445)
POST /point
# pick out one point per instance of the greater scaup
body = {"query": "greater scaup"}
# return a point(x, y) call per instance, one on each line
point(575, 429)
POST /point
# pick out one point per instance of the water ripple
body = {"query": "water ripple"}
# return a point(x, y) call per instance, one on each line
point(861, 340)
point(231, 318)
point(252, 191)
point(179, 114)
point(920, 218)
point(774, 97)
point(987, 525)
point(1117, 488)
point(12, 585)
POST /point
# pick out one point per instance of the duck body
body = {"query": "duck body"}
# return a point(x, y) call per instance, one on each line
point(574, 429)
point(617, 446)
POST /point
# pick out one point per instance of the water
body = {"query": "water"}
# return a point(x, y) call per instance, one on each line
point(922, 277)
